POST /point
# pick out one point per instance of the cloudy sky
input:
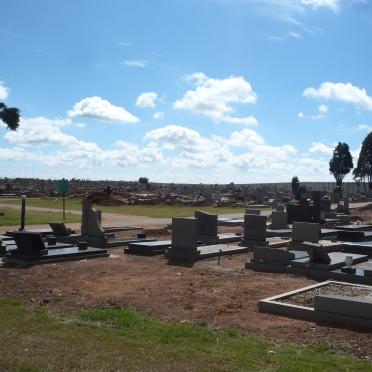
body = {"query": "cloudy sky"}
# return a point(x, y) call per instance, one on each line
point(192, 91)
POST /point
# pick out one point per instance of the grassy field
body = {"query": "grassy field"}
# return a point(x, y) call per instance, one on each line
point(12, 217)
point(113, 339)
point(161, 211)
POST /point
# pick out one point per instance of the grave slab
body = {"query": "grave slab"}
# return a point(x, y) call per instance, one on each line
point(346, 310)
point(148, 248)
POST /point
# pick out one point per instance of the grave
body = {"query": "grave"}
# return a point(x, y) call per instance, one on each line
point(207, 230)
point(321, 261)
point(148, 248)
point(325, 205)
point(185, 244)
point(273, 259)
point(279, 220)
point(359, 247)
point(31, 250)
point(64, 234)
point(90, 214)
point(330, 301)
point(301, 213)
point(254, 231)
point(93, 232)
point(232, 222)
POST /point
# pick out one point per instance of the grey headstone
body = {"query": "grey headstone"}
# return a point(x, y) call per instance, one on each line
point(304, 231)
point(90, 224)
point(255, 227)
point(184, 233)
point(206, 224)
point(279, 219)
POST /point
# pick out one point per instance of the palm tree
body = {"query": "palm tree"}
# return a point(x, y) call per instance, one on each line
point(10, 116)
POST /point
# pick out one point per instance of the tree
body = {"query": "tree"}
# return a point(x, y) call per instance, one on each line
point(363, 170)
point(340, 164)
point(144, 181)
point(10, 116)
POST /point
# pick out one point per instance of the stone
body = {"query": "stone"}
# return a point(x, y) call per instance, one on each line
point(259, 196)
point(325, 205)
point(308, 232)
point(254, 230)
point(184, 233)
point(279, 220)
point(301, 213)
point(29, 244)
point(59, 229)
point(90, 222)
point(206, 224)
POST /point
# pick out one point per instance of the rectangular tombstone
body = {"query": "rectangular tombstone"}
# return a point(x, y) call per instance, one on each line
point(303, 231)
point(184, 233)
point(255, 227)
point(259, 196)
point(206, 224)
point(325, 205)
point(300, 213)
point(279, 219)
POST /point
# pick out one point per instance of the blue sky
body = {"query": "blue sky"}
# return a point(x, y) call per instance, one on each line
point(212, 91)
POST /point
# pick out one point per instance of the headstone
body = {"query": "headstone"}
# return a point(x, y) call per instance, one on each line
point(280, 208)
point(90, 224)
point(259, 196)
point(305, 232)
point(254, 230)
point(300, 213)
point(325, 205)
point(206, 224)
point(346, 205)
point(184, 233)
point(279, 220)
point(29, 244)
point(316, 195)
point(59, 229)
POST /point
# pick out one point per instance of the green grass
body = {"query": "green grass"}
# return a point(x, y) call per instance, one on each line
point(161, 211)
point(114, 339)
point(12, 217)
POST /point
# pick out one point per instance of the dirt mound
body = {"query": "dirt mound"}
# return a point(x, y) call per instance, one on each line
point(104, 199)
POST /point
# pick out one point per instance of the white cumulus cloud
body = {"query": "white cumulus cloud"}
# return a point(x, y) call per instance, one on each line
point(135, 63)
point(159, 115)
point(323, 109)
point(98, 108)
point(344, 92)
point(315, 4)
point(321, 148)
point(147, 100)
point(3, 91)
point(213, 98)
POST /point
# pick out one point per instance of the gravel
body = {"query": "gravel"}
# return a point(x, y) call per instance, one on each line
point(306, 299)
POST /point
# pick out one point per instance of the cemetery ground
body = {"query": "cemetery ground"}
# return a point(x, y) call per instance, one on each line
point(127, 311)
point(135, 312)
